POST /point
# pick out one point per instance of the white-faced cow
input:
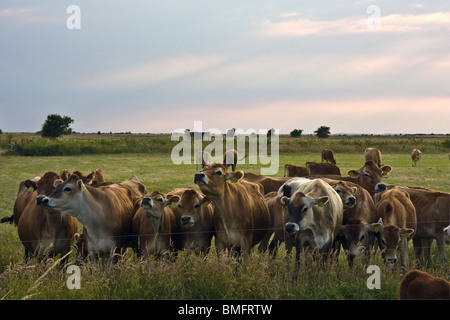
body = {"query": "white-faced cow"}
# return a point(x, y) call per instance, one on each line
point(153, 225)
point(106, 212)
point(397, 224)
point(44, 231)
point(194, 215)
point(241, 216)
point(416, 155)
point(315, 216)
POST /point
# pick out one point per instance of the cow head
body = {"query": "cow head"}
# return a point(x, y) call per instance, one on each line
point(369, 177)
point(154, 204)
point(345, 192)
point(190, 206)
point(300, 208)
point(45, 186)
point(212, 180)
point(356, 234)
point(63, 194)
point(390, 238)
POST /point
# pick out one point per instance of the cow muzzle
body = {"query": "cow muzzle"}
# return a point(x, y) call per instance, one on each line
point(200, 177)
point(380, 187)
point(291, 227)
point(186, 220)
point(42, 201)
point(147, 202)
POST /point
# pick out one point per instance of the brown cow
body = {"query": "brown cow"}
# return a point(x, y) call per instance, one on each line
point(416, 155)
point(369, 177)
point(106, 212)
point(397, 224)
point(433, 215)
point(44, 231)
point(328, 156)
point(373, 154)
point(291, 170)
point(419, 285)
point(194, 216)
point(153, 226)
point(95, 178)
point(230, 159)
point(315, 168)
point(241, 216)
point(269, 183)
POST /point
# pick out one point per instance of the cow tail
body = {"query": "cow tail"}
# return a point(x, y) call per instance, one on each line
point(407, 279)
point(7, 219)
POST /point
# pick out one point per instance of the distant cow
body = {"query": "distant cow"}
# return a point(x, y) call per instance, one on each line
point(241, 216)
point(315, 216)
point(195, 219)
point(433, 215)
point(328, 156)
point(153, 225)
point(44, 231)
point(202, 158)
point(419, 285)
point(269, 183)
point(230, 159)
point(397, 224)
point(106, 212)
point(315, 168)
point(373, 154)
point(291, 170)
point(416, 155)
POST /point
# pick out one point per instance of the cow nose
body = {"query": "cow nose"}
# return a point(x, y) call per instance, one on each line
point(199, 177)
point(351, 256)
point(291, 227)
point(41, 200)
point(380, 186)
point(146, 202)
point(392, 259)
point(187, 220)
point(351, 200)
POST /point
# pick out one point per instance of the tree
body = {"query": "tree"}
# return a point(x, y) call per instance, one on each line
point(56, 126)
point(296, 133)
point(322, 132)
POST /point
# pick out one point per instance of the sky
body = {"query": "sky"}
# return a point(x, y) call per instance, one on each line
point(148, 66)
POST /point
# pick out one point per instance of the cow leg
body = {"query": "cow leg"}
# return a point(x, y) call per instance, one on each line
point(403, 246)
point(426, 247)
point(440, 242)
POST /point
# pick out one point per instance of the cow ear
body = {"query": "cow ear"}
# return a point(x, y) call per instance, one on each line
point(57, 182)
point(376, 227)
point(321, 201)
point(235, 176)
point(386, 170)
point(353, 173)
point(406, 232)
point(80, 185)
point(172, 201)
point(285, 201)
point(31, 185)
point(205, 201)
point(354, 191)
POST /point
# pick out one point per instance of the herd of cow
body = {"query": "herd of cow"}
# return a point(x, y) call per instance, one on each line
point(313, 207)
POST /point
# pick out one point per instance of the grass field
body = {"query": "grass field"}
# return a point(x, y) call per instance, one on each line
point(192, 277)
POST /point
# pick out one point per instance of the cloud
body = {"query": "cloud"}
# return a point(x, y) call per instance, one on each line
point(299, 27)
point(151, 72)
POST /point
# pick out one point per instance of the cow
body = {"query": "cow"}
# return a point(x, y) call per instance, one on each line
point(230, 159)
point(359, 214)
point(447, 232)
point(315, 168)
point(106, 212)
point(44, 231)
point(433, 215)
point(202, 158)
point(153, 226)
point(25, 194)
point(291, 170)
point(268, 183)
point(419, 285)
point(95, 178)
point(194, 215)
point(397, 224)
point(328, 156)
point(241, 216)
point(373, 154)
point(315, 216)
point(416, 155)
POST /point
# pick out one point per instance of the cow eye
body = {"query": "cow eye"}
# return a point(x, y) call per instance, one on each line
point(361, 238)
point(383, 242)
point(67, 189)
point(338, 191)
point(219, 173)
point(159, 199)
point(179, 205)
point(367, 175)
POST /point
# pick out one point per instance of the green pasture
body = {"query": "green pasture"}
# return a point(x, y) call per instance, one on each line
point(192, 277)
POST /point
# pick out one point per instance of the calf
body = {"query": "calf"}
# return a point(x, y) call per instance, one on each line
point(194, 215)
point(45, 231)
point(315, 168)
point(328, 156)
point(397, 224)
point(373, 154)
point(106, 212)
point(315, 216)
point(153, 225)
point(419, 285)
point(416, 155)
point(241, 216)
point(291, 170)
